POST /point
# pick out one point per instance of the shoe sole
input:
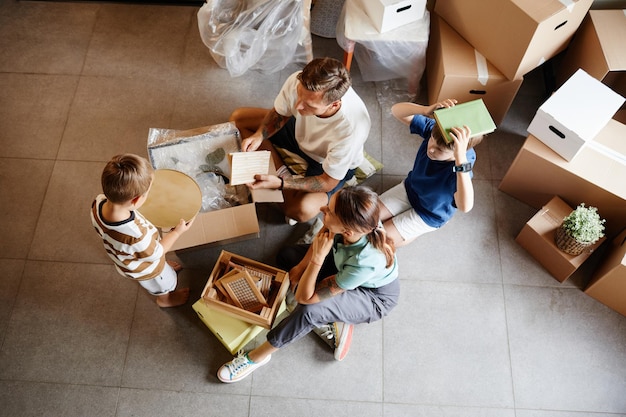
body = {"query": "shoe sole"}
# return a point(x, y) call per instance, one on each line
point(344, 346)
point(231, 381)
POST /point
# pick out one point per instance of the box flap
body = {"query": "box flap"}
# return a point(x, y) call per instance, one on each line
point(610, 25)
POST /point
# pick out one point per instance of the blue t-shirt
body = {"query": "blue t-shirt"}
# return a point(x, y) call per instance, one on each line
point(431, 185)
point(361, 265)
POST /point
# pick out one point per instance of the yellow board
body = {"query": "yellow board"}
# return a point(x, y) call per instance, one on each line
point(233, 333)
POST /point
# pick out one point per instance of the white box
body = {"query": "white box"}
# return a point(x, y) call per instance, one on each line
point(390, 14)
point(574, 114)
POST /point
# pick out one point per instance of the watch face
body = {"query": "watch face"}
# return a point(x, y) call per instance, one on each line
point(466, 167)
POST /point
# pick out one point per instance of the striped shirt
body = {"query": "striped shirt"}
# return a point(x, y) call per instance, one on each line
point(132, 244)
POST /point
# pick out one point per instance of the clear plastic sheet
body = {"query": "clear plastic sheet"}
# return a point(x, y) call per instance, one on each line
point(202, 154)
point(263, 35)
point(399, 53)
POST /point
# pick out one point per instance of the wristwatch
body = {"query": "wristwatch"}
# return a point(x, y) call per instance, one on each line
point(465, 167)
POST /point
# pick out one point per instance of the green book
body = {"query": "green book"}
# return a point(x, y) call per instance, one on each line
point(473, 114)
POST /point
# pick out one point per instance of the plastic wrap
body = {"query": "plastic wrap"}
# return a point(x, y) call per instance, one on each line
point(202, 154)
point(399, 53)
point(263, 35)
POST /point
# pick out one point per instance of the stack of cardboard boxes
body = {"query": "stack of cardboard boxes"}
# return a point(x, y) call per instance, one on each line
point(576, 153)
point(500, 41)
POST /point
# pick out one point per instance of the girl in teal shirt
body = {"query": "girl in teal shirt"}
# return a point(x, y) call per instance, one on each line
point(347, 276)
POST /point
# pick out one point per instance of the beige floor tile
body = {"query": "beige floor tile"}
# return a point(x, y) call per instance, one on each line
point(70, 324)
point(113, 115)
point(39, 37)
point(23, 183)
point(64, 231)
point(139, 41)
point(33, 110)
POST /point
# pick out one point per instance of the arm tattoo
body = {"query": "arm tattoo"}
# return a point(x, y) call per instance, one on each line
point(328, 288)
point(273, 123)
point(310, 184)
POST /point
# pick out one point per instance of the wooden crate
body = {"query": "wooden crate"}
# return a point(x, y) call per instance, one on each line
point(278, 289)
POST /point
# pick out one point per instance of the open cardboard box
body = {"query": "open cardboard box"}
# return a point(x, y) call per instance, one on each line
point(186, 151)
point(266, 316)
point(515, 35)
point(537, 237)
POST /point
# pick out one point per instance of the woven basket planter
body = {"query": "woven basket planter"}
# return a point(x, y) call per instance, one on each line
point(568, 244)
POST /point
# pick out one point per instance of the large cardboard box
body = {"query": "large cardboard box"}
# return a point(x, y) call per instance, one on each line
point(574, 114)
point(387, 15)
point(598, 48)
point(278, 290)
point(593, 177)
point(537, 237)
point(608, 284)
point(515, 35)
point(456, 70)
point(193, 153)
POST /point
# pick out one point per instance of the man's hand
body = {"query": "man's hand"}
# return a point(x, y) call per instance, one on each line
point(271, 182)
point(251, 143)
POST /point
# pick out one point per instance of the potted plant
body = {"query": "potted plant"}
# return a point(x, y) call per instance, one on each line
point(580, 229)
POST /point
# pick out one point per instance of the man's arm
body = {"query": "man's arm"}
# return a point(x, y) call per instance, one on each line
point(318, 184)
point(272, 123)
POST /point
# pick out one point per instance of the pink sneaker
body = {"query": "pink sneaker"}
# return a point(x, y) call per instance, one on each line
point(343, 339)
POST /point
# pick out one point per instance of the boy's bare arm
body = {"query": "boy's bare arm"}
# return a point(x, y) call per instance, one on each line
point(170, 238)
point(464, 195)
point(405, 111)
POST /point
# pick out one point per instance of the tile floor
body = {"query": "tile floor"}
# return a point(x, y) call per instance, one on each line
point(482, 330)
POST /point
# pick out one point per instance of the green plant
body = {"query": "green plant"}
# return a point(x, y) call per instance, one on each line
point(584, 224)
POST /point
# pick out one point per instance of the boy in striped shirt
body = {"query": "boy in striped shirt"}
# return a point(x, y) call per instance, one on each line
point(130, 240)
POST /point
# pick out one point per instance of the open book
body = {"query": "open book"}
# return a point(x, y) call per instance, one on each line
point(473, 114)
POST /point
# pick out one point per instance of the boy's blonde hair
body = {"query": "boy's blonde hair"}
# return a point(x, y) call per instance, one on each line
point(125, 177)
point(441, 142)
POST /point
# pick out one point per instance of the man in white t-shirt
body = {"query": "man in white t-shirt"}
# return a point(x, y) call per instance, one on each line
point(318, 116)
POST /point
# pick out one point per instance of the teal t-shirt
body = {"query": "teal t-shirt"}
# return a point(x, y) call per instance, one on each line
point(361, 265)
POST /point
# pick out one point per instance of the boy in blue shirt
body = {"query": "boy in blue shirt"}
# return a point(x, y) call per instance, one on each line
point(440, 181)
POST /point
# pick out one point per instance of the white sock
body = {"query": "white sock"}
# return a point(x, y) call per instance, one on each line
point(282, 170)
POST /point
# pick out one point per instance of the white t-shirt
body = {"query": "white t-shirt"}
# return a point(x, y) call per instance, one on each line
point(337, 141)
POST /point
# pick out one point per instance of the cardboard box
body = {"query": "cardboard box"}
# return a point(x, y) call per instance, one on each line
point(595, 178)
point(515, 35)
point(266, 316)
point(456, 70)
point(188, 151)
point(598, 49)
point(387, 15)
point(537, 237)
point(608, 284)
point(574, 114)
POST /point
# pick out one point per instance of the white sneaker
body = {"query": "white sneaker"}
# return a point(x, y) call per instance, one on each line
point(240, 367)
point(308, 237)
point(290, 300)
point(327, 334)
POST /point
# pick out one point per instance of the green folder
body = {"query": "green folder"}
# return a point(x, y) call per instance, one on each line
point(473, 114)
